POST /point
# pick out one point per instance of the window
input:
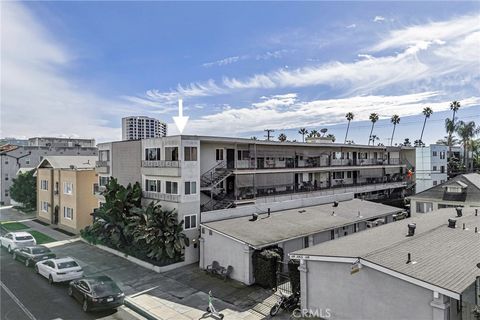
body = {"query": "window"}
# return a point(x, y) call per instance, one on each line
point(43, 184)
point(103, 181)
point(153, 185)
point(152, 154)
point(243, 154)
point(172, 187)
point(171, 153)
point(434, 153)
point(27, 161)
point(6, 176)
point(190, 153)
point(434, 168)
point(190, 221)
point(442, 169)
point(67, 188)
point(104, 155)
point(454, 189)
point(190, 187)
point(338, 175)
point(442, 155)
point(219, 154)
point(349, 174)
point(68, 213)
point(44, 206)
point(434, 182)
point(6, 192)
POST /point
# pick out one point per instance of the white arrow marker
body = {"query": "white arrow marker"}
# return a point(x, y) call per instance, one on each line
point(180, 121)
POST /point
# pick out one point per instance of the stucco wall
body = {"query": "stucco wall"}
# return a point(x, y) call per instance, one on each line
point(367, 294)
point(126, 161)
point(44, 195)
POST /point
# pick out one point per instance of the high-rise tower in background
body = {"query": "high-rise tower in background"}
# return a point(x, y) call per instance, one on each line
point(140, 127)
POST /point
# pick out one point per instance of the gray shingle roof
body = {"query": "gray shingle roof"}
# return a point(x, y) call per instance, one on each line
point(65, 162)
point(444, 257)
point(294, 223)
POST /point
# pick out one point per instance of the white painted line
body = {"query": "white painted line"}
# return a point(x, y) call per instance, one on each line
point(14, 298)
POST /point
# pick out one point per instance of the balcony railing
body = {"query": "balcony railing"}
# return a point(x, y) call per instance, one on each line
point(101, 163)
point(160, 164)
point(161, 196)
point(98, 190)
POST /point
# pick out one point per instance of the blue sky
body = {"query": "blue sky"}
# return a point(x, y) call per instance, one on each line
point(76, 68)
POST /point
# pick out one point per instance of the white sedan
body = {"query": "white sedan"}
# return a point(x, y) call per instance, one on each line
point(59, 270)
point(13, 240)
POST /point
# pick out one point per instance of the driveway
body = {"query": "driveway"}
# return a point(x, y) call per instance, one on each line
point(178, 294)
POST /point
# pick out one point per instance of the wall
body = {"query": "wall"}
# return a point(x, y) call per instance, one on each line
point(126, 161)
point(88, 202)
point(68, 200)
point(44, 195)
point(367, 294)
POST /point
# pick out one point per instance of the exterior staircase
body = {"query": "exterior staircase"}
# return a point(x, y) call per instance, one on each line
point(208, 186)
point(215, 175)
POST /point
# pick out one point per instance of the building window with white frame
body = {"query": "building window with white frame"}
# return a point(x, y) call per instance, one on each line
point(43, 184)
point(190, 221)
point(103, 181)
point(153, 185)
point(44, 206)
point(68, 213)
point(171, 187)
point(442, 155)
point(190, 187)
point(219, 154)
point(152, 154)
point(67, 188)
point(190, 154)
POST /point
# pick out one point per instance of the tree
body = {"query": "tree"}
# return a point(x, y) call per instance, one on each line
point(407, 142)
point(331, 136)
point(253, 138)
point(445, 141)
point(374, 138)
point(454, 106)
point(466, 131)
point(349, 117)
point(24, 190)
point(303, 132)
point(374, 118)
point(475, 147)
point(395, 120)
point(282, 137)
point(314, 134)
point(427, 112)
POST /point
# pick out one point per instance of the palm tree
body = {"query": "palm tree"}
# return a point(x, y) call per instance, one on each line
point(395, 120)
point(427, 112)
point(374, 138)
point(454, 106)
point(331, 136)
point(253, 138)
point(466, 131)
point(349, 117)
point(282, 137)
point(303, 132)
point(313, 134)
point(374, 118)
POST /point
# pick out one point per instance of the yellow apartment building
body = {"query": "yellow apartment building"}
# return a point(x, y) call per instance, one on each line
point(65, 191)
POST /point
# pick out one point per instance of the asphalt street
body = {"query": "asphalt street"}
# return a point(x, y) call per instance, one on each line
point(26, 295)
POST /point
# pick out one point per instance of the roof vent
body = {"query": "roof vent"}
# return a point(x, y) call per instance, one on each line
point(268, 212)
point(254, 217)
point(335, 204)
point(452, 223)
point(476, 212)
point(459, 211)
point(411, 229)
point(72, 166)
point(409, 258)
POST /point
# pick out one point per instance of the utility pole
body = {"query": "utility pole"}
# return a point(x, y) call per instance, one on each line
point(268, 131)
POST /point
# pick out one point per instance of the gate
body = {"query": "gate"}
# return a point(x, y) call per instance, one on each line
point(283, 278)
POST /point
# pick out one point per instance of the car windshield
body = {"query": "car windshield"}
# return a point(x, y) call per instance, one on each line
point(40, 250)
point(105, 288)
point(23, 238)
point(67, 264)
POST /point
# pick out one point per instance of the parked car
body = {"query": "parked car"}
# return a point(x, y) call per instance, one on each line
point(13, 240)
point(32, 255)
point(59, 270)
point(96, 293)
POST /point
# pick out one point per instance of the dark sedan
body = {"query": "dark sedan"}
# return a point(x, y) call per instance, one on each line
point(96, 293)
point(33, 254)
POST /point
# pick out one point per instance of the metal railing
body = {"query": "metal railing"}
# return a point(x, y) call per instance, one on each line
point(161, 196)
point(101, 163)
point(160, 164)
point(98, 189)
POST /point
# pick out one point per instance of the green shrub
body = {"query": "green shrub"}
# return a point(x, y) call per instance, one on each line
point(265, 266)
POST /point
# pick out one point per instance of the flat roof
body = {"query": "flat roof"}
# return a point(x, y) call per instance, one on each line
point(444, 257)
point(300, 222)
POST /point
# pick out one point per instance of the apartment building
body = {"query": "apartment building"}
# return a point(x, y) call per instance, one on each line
point(119, 159)
point(431, 166)
point(460, 191)
point(65, 191)
point(141, 127)
point(224, 177)
point(13, 158)
point(424, 267)
point(61, 142)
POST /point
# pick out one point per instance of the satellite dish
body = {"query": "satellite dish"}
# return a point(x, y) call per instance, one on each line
point(324, 130)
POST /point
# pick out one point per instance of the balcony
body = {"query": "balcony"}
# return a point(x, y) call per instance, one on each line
point(161, 196)
point(102, 166)
point(98, 190)
point(160, 164)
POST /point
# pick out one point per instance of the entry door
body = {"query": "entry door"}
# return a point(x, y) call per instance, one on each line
point(354, 156)
point(354, 175)
point(230, 158)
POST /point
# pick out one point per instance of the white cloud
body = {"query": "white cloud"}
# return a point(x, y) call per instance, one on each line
point(263, 56)
point(351, 26)
point(37, 97)
point(378, 19)
point(225, 61)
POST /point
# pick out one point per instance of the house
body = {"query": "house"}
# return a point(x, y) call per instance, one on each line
point(65, 191)
point(460, 191)
point(422, 268)
point(431, 166)
point(13, 158)
point(232, 242)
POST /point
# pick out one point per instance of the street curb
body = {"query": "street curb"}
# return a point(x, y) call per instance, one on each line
point(138, 309)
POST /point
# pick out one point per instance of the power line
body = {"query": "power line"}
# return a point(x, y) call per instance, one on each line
point(268, 131)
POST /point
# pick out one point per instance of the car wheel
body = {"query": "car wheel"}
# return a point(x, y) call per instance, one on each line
point(85, 306)
point(27, 263)
point(70, 291)
point(50, 279)
point(14, 256)
point(9, 249)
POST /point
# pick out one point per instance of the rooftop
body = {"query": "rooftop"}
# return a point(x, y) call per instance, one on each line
point(69, 162)
point(445, 257)
point(296, 223)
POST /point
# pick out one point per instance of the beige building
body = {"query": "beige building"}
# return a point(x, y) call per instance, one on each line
point(65, 191)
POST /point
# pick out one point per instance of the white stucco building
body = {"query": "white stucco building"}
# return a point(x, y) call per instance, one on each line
point(431, 166)
point(141, 127)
